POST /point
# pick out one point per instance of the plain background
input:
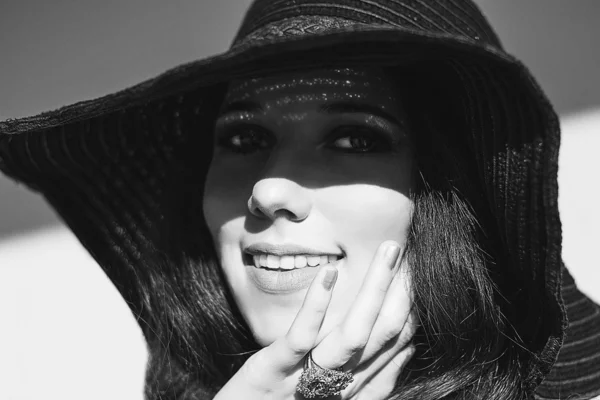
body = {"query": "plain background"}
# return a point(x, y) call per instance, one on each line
point(65, 333)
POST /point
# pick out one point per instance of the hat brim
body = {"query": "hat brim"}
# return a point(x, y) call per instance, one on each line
point(366, 44)
point(82, 160)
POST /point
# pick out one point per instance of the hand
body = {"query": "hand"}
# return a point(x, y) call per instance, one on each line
point(371, 342)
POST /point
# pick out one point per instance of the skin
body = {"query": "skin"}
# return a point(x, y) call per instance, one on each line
point(345, 201)
point(308, 178)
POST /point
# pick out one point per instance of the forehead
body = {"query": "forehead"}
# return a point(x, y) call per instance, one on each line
point(370, 85)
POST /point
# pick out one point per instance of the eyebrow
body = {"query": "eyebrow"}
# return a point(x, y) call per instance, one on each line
point(241, 106)
point(345, 107)
point(339, 107)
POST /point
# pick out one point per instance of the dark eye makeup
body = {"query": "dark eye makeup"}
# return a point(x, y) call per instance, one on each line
point(247, 138)
point(359, 139)
point(243, 138)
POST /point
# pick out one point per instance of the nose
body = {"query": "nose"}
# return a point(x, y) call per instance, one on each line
point(276, 197)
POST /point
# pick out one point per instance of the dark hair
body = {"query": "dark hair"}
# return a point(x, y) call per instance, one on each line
point(466, 345)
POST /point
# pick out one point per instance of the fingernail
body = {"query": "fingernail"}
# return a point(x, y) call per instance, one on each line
point(329, 279)
point(392, 252)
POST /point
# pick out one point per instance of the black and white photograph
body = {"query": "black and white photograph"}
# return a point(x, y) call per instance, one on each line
point(300, 199)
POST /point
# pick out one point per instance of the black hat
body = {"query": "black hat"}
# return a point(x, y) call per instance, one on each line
point(104, 163)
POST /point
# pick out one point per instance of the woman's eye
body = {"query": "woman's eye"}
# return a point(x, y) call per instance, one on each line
point(351, 139)
point(359, 140)
point(244, 140)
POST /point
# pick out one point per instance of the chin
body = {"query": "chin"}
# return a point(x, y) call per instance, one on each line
point(267, 331)
point(268, 328)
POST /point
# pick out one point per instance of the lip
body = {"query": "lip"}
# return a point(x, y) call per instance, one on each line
point(287, 249)
point(274, 281)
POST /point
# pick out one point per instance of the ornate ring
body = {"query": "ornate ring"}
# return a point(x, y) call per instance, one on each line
point(319, 382)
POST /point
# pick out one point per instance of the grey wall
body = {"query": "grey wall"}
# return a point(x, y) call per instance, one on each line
point(58, 52)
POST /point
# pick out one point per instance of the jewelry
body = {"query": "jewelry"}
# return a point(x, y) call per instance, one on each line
point(320, 382)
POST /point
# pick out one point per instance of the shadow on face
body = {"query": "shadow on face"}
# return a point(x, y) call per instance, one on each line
point(319, 158)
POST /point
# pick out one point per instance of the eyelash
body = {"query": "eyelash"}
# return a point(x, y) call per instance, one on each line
point(382, 143)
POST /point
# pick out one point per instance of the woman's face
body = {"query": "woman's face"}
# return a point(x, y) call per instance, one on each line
point(319, 159)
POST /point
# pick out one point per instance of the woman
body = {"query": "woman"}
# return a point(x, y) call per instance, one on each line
point(341, 127)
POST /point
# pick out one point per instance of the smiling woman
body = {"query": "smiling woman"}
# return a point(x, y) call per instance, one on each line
point(333, 151)
point(341, 162)
point(311, 152)
point(358, 199)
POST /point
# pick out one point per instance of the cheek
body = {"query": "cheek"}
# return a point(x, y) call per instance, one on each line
point(364, 217)
point(224, 199)
point(364, 210)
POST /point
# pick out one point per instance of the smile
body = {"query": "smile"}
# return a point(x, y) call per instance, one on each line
point(278, 278)
point(289, 262)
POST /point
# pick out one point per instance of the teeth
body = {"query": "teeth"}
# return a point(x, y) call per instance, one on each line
point(287, 262)
point(273, 261)
point(300, 262)
point(290, 262)
point(313, 261)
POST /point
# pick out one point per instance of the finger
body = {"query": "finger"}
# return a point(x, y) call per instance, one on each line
point(379, 379)
point(388, 350)
point(286, 352)
point(385, 378)
point(353, 334)
point(391, 321)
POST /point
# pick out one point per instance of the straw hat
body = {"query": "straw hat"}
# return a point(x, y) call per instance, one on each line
point(104, 164)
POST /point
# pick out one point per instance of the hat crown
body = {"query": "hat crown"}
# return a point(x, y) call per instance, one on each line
point(266, 19)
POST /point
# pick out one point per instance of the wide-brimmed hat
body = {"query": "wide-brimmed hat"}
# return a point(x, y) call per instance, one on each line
point(104, 164)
